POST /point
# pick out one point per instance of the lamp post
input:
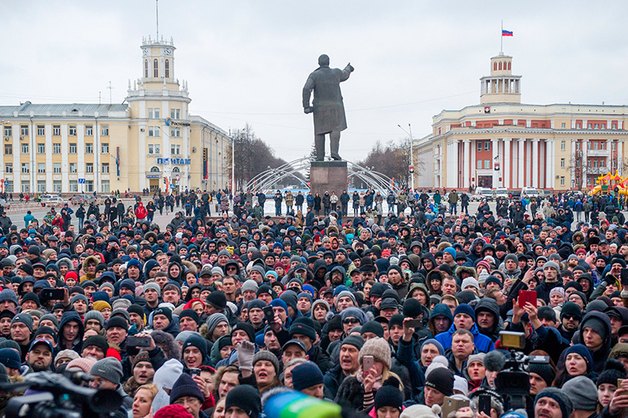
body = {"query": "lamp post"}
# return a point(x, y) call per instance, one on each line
point(411, 154)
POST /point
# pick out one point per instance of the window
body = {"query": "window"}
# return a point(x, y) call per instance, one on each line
point(562, 180)
point(56, 186)
point(25, 148)
point(613, 126)
point(73, 185)
point(562, 125)
point(89, 130)
point(73, 168)
point(590, 125)
point(8, 149)
point(596, 126)
point(578, 146)
point(578, 126)
point(41, 130)
point(26, 188)
point(479, 145)
point(104, 130)
point(104, 186)
point(153, 132)
point(153, 113)
point(479, 164)
point(41, 168)
point(175, 132)
point(89, 186)
point(56, 168)
point(154, 149)
point(155, 68)
point(23, 130)
point(25, 168)
point(595, 145)
point(72, 148)
point(167, 68)
point(72, 130)
point(176, 170)
point(41, 148)
point(487, 145)
point(89, 167)
point(175, 113)
point(562, 145)
point(8, 186)
point(175, 149)
point(41, 186)
point(145, 68)
point(614, 146)
point(7, 131)
point(105, 168)
point(104, 148)
point(562, 163)
point(487, 164)
point(56, 148)
point(56, 130)
point(89, 148)
point(8, 168)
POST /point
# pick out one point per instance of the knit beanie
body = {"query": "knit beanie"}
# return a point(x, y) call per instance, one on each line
point(95, 315)
point(354, 340)
point(25, 319)
point(163, 311)
point(189, 313)
point(583, 351)
point(118, 322)
point(389, 395)
point(98, 341)
point(420, 411)
point(246, 327)
point(582, 392)
point(217, 299)
point(197, 341)
point(545, 370)
point(79, 297)
point(84, 364)
point(152, 286)
point(52, 318)
point(613, 370)
point(100, 305)
point(109, 369)
point(373, 327)
point(465, 309)
point(10, 358)
point(551, 264)
point(268, 356)
point(185, 386)
point(378, 348)
point(249, 285)
point(245, 397)
point(214, 320)
point(302, 329)
point(566, 407)
point(442, 380)
point(476, 357)
point(596, 324)
point(306, 375)
point(346, 293)
point(412, 308)
point(172, 411)
point(138, 310)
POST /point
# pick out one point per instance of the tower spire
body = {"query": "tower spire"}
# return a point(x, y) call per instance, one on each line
point(157, 17)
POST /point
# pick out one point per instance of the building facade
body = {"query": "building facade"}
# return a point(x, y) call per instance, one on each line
point(149, 142)
point(502, 142)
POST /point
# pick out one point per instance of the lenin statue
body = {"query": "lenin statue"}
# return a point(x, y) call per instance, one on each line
point(329, 111)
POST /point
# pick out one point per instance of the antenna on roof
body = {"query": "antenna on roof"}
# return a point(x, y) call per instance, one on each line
point(157, 17)
point(110, 91)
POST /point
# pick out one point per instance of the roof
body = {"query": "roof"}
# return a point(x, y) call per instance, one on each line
point(29, 109)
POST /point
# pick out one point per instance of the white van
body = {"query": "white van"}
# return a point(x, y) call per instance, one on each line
point(529, 191)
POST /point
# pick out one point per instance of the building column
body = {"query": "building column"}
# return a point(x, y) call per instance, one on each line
point(467, 163)
point(495, 160)
point(506, 163)
point(550, 164)
point(535, 163)
point(572, 164)
point(521, 176)
point(585, 166)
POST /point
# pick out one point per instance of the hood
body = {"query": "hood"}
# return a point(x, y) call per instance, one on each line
point(603, 318)
point(319, 264)
point(488, 304)
point(441, 309)
point(71, 316)
point(463, 269)
point(428, 256)
point(422, 287)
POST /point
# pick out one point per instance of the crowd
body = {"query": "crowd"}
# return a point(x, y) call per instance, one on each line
point(400, 315)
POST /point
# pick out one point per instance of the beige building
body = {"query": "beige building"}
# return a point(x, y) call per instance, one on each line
point(150, 141)
point(502, 142)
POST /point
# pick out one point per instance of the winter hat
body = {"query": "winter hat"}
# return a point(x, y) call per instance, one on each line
point(197, 341)
point(214, 320)
point(583, 351)
point(613, 370)
point(79, 297)
point(595, 323)
point(378, 348)
point(10, 358)
point(84, 364)
point(25, 319)
point(551, 264)
point(98, 341)
point(153, 286)
point(217, 299)
point(249, 285)
point(420, 411)
point(100, 305)
point(246, 327)
point(461, 385)
point(8, 294)
point(268, 356)
point(172, 411)
point(354, 340)
point(52, 318)
point(512, 257)
point(95, 315)
point(476, 357)
point(373, 327)
point(442, 380)
point(545, 370)
point(389, 395)
point(109, 369)
point(465, 309)
point(559, 396)
point(245, 397)
point(346, 293)
point(166, 376)
point(470, 281)
point(306, 375)
point(162, 311)
point(492, 279)
point(185, 386)
point(117, 321)
point(582, 392)
point(412, 308)
point(558, 290)
point(189, 313)
point(302, 329)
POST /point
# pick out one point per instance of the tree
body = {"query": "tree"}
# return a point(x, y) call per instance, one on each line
point(393, 160)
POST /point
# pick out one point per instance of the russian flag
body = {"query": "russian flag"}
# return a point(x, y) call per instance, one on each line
point(506, 32)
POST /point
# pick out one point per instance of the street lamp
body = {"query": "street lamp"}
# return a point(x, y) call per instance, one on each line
point(411, 154)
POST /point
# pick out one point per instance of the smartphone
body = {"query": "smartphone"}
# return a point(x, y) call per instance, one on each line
point(367, 363)
point(452, 405)
point(484, 404)
point(527, 296)
point(269, 314)
point(195, 371)
point(624, 277)
point(140, 342)
point(52, 294)
point(415, 323)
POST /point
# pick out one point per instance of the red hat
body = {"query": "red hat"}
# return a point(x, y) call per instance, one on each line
point(172, 411)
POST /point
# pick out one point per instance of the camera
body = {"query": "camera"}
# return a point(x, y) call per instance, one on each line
point(60, 396)
point(513, 381)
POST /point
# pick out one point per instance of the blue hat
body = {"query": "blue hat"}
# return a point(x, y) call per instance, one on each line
point(134, 262)
point(279, 303)
point(465, 309)
point(41, 341)
point(451, 251)
point(10, 358)
point(583, 351)
point(306, 375)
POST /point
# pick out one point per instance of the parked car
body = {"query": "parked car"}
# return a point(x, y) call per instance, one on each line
point(502, 192)
point(485, 193)
point(529, 191)
point(82, 198)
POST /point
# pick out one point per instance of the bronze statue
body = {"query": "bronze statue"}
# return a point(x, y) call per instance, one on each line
point(329, 111)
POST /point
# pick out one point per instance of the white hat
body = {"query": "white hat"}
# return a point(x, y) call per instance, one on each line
point(421, 411)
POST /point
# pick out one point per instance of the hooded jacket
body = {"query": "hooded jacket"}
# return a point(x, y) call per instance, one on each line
point(482, 343)
point(70, 316)
point(601, 355)
point(490, 305)
point(440, 309)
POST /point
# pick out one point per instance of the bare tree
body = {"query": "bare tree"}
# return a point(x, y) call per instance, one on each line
point(392, 159)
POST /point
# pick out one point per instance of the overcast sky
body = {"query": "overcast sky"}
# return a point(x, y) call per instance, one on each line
point(247, 61)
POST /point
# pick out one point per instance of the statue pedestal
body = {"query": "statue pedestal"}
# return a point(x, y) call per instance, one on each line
point(328, 176)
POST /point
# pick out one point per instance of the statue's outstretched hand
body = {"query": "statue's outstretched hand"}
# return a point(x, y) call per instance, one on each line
point(350, 67)
point(308, 109)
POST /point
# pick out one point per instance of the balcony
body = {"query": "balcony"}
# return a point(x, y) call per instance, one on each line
point(598, 152)
point(597, 170)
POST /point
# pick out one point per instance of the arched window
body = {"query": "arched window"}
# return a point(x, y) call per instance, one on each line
point(509, 66)
point(167, 69)
point(176, 170)
point(500, 66)
point(154, 169)
point(145, 68)
point(155, 68)
point(494, 66)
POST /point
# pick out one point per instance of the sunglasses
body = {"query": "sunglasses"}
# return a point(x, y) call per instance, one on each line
point(351, 321)
point(571, 317)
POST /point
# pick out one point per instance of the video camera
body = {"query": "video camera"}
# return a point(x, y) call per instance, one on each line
point(60, 396)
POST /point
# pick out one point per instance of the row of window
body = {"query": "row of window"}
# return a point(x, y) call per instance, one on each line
point(153, 132)
point(156, 68)
point(56, 148)
point(56, 130)
point(57, 186)
point(595, 145)
point(154, 112)
point(487, 164)
point(56, 168)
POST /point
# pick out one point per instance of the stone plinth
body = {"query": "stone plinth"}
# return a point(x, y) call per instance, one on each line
point(328, 176)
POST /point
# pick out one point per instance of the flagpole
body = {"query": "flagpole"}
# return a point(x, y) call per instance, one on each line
point(501, 38)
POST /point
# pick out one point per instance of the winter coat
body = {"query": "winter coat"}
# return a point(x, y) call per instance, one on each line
point(482, 343)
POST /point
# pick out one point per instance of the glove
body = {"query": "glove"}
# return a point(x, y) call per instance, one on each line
point(246, 352)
